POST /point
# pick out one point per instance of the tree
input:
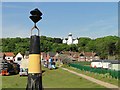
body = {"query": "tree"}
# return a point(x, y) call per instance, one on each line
point(109, 45)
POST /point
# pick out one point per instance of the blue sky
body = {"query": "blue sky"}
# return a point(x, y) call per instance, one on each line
point(82, 19)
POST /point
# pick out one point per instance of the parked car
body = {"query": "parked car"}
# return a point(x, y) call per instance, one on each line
point(23, 72)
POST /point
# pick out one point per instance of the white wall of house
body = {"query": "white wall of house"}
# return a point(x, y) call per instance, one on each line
point(81, 58)
point(9, 57)
point(18, 58)
point(96, 58)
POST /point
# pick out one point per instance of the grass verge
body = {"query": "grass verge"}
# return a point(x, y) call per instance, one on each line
point(101, 77)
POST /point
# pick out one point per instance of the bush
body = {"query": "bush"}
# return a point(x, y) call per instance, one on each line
point(114, 74)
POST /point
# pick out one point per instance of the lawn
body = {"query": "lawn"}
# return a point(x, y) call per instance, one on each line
point(51, 79)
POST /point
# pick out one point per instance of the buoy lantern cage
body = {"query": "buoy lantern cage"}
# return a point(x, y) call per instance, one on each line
point(34, 66)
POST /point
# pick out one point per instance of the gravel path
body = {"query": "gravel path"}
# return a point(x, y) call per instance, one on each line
point(107, 85)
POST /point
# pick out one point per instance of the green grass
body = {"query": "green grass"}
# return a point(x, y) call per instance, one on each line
point(51, 79)
point(97, 76)
point(14, 81)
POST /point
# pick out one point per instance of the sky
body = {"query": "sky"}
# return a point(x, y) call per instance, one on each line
point(82, 19)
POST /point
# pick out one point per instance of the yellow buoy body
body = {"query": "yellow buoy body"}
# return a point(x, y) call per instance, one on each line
point(34, 63)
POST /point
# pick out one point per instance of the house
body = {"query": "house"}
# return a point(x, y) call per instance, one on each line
point(47, 56)
point(51, 54)
point(9, 56)
point(115, 65)
point(70, 53)
point(56, 57)
point(88, 56)
point(43, 56)
point(18, 58)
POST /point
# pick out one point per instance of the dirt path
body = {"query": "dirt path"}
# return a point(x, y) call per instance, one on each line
point(107, 85)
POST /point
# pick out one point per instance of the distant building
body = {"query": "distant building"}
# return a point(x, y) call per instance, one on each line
point(70, 40)
point(47, 56)
point(18, 58)
point(88, 56)
point(2, 56)
point(83, 56)
point(9, 56)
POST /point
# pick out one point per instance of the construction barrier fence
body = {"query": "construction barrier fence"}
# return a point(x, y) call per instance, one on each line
point(113, 73)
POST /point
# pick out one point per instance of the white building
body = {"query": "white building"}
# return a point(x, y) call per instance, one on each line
point(70, 40)
point(9, 56)
point(18, 58)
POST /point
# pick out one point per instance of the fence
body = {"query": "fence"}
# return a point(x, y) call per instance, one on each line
point(114, 74)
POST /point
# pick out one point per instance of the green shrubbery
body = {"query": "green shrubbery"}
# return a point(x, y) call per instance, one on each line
point(114, 74)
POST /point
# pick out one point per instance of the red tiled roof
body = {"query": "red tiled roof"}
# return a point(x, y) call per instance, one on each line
point(9, 54)
point(88, 54)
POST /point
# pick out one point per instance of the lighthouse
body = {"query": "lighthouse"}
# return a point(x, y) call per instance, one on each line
point(70, 39)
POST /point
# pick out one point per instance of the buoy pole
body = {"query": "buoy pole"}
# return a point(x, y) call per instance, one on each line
point(34, 67)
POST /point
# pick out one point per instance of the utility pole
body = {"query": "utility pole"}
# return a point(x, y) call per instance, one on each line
point(34, 67)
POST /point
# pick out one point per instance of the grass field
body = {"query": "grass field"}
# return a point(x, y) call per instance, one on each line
point(51, 79)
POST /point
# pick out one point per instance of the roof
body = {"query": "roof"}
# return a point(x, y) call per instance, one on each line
point(76, 55)
point(51, 54)
point(88, 54)
point(9, 54)
point(70, 53)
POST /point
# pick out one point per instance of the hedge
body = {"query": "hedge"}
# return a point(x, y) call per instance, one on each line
point(113, 73)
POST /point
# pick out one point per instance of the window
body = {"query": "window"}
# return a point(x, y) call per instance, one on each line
point(19, 59)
